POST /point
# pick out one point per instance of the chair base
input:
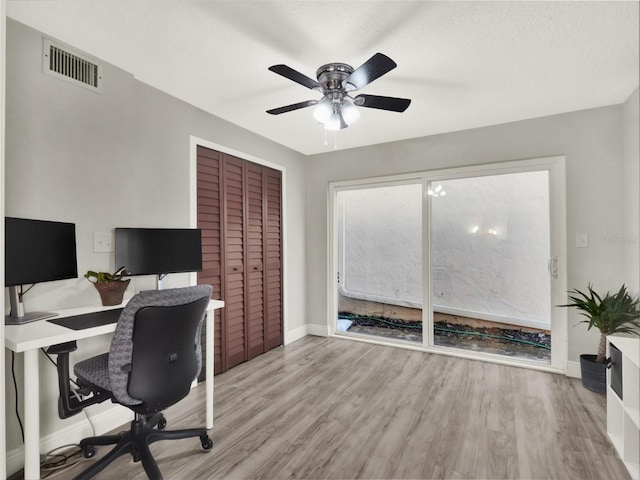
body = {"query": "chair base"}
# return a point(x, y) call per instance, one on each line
point(144, 431)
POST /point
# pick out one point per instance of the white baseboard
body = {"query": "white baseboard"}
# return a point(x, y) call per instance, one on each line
point(295, 334)
point(318, 330)
point(573, 369)
point(301, 332)
point(103, 422)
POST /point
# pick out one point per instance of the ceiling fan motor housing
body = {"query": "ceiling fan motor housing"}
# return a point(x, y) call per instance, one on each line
point(331, 76)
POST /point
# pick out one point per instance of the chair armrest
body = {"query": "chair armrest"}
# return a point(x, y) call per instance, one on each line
point(70, 402)
point(66, 347)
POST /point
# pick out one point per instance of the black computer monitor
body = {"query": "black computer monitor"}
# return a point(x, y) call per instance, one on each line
point(158, 251)
point(36, 251)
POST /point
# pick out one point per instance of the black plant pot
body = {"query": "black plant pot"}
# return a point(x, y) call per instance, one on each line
point(594, 375)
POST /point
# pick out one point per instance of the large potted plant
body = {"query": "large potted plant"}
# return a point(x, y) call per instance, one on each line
point(612, 313)
point(110, 286)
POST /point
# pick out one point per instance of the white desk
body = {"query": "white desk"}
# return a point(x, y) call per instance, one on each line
point(30, 337)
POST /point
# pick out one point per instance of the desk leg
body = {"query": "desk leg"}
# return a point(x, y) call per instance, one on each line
point(209, 368)
point(31, 399)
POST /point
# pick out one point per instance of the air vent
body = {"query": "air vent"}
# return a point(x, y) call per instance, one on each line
point(60, 61)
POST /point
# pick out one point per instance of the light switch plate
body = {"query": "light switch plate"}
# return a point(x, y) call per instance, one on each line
point(582, 240)
point(102, 242)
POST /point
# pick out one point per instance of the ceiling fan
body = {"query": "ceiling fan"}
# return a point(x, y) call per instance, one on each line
point(337, 109)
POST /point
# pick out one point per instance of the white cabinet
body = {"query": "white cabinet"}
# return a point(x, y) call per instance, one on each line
point(623, 415)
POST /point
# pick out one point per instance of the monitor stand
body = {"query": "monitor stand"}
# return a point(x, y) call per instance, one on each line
point(17, 315)
point(159, 280)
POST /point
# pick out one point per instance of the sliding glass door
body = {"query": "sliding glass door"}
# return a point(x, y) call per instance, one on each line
point(463, 261)
point(490, 250)
point(379, 289)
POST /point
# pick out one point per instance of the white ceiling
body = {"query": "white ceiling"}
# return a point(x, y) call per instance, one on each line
point(463, 64)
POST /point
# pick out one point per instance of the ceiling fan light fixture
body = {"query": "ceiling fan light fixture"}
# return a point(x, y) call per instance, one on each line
point(323, 111)
point(335, 121)
point(350, 112)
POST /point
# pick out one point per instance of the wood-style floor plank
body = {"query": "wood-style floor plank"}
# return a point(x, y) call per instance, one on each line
point(328, 408)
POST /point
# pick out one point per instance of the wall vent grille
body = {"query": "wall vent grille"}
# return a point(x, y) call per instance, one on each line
point(63, 63)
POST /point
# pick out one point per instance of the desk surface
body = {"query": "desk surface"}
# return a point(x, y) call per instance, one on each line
point(40, 334)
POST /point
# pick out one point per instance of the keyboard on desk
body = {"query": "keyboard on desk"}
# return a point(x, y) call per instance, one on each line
point(88, 320)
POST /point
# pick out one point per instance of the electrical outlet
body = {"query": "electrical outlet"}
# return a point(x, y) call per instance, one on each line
point(102, 242)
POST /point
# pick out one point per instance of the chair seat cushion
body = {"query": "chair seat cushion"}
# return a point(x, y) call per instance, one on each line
point(94, 370)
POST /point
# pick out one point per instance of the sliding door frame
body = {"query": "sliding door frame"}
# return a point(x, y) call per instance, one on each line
point(557, 243)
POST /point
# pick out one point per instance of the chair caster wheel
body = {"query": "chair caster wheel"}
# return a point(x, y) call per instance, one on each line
point(207, 443)
point(89, 451)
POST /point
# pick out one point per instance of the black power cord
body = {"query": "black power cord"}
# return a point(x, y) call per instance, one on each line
point(15, 388)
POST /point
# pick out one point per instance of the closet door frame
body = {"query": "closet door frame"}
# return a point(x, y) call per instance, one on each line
point(194, 143)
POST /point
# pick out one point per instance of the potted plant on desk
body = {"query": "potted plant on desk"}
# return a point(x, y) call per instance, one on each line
point(110, 286)
point(613, 313)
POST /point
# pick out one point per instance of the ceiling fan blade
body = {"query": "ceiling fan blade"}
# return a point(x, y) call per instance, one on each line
point(373, 68)
point(296, 76)
point(393, 104)
point(292, 107)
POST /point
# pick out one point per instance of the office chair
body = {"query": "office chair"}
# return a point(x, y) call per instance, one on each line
point(154, 357)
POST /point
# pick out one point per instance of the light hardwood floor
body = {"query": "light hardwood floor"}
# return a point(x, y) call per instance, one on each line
point(340, 409)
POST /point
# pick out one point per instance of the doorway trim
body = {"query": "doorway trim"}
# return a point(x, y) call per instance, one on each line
point(558, 223)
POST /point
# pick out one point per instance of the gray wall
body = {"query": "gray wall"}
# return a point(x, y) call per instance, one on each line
point(631, 208)
point(591, 140)
point(116, 159)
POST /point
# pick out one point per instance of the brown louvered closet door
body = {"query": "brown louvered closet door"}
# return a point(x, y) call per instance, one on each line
point(233, 228)
point(239, 212)
point(273, 260)
point(255, 261)
point(209, 220)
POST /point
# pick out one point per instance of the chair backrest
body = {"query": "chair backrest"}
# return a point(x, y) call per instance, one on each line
point(155, 353)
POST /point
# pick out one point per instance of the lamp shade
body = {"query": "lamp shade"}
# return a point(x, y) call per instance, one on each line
point(323, 111)
point(350, 112)
point(334, 122)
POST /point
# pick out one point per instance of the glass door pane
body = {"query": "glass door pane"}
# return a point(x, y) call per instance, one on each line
point(490, 248)
point(380, 262)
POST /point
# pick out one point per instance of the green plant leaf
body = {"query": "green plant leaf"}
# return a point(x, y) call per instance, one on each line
point(101, 277)
point(617, 313)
